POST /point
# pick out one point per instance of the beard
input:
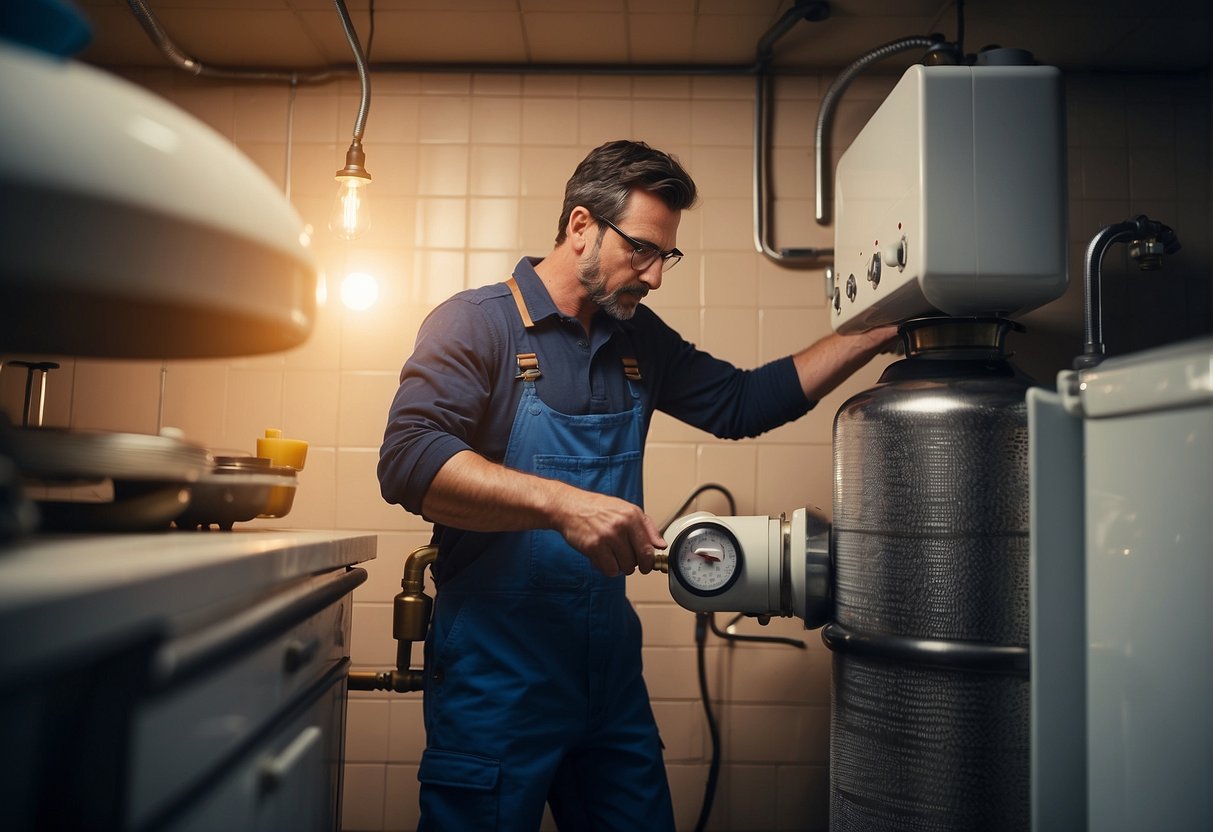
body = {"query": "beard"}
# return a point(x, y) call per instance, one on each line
point(619, 304)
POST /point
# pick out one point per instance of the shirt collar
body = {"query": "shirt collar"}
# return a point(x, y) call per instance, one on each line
point(540, 304)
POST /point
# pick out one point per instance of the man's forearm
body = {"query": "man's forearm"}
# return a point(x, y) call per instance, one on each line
point(829, 362)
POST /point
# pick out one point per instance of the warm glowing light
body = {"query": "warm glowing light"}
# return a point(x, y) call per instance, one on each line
point(322, 289)
point(350, 216)
point(359, 291)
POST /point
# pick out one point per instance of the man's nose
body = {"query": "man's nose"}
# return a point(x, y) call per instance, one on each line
point(651, 276)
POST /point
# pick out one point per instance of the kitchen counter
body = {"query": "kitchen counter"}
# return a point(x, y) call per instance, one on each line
point(61, 593)
point(176, 681)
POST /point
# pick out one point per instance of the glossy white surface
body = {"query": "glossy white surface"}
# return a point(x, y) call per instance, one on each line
point(60, 593)
point(961, 174)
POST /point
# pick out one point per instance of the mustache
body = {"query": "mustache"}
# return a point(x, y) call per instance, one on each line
point(638, 291)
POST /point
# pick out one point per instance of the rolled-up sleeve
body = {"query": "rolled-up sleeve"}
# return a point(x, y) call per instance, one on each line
point(444, 392)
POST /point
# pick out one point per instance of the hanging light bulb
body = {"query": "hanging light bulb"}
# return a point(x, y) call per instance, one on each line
point(351, 214)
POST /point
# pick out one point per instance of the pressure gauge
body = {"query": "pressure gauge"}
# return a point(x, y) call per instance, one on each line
point(706, 558)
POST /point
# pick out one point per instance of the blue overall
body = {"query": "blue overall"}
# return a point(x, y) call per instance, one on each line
point(533, 685)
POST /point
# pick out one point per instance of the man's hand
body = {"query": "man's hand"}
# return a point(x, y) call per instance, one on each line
point(616, 536)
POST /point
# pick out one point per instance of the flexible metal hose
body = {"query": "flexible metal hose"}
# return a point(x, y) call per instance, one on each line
point(360, 62)
point(828, 102)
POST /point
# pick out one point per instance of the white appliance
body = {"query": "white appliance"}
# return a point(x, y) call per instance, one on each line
point(952, 198)
point(1122, 594)
point(129, 229)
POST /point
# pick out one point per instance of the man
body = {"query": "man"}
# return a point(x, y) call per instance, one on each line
point(518, 429)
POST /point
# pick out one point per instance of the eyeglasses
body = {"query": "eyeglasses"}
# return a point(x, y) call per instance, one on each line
point(643, 254)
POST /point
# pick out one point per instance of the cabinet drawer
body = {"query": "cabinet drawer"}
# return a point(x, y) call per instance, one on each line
point(221, 686)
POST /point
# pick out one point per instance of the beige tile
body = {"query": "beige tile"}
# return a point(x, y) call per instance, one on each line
point(683, 731)
point(660, 38)
point(406, 731)
point(666, 624)
point(670, 672)
point(365, 399)
point(260, 114)
point(733, 465)
point(312, 167)
point(662, 86)
point(195, 395)
point(495, 170)
point(442, 170)
point(686, 788)
point(314, 118)
point(653, 588)
point(487, 267)
point(730, 279)
point(776, 733)
point(803, 798)
point(401, 809)
point(359, 503)
point(446, 83)
point(362, 797)
point(726, 225)
point(792, 476)
point(254, 403)
point(715, 122)
point(537, 223)
point(366, 731)
point(493, 223)
point(115, 395)
point(269, 158)
point(707, 87)
point(679, 290)
point(372, 646)
point(394, 119)
point(399, 169)
point(731, 333)
point(441, 223)
point(322, 349)
point(214, 107)
point(309, 405)
point(436, 276)
point(666, 428)
point(496, 84)
point(669, 476)
point(768, 673)
point(747, 797)
point(663, 123)
point(602, 120)
point(546, 170)
point(793, 173)
point(604, 86)
point(723, 172)
point(548, 121)
point(496, 120)
point(780, 285)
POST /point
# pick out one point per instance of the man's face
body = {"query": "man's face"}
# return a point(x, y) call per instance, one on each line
point(606, 271)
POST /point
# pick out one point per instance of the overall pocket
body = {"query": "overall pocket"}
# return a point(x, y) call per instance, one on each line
point(553, 564)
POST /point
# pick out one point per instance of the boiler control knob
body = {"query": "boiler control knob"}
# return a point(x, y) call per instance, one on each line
point(894, 254)
point(837, 301)
point(852, 287)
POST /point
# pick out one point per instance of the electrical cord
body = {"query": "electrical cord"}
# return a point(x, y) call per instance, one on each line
point(705, 621)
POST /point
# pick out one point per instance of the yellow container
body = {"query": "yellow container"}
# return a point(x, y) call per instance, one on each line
point(283, 453)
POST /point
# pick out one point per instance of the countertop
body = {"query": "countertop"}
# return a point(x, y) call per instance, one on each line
point(62, 595)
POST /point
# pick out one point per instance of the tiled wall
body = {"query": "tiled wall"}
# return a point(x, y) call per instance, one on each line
point(468, 175)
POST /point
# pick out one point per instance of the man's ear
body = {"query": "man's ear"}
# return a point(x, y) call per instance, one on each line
point(581, 226)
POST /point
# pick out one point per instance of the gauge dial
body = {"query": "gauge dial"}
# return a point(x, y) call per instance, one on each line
point(706, 558)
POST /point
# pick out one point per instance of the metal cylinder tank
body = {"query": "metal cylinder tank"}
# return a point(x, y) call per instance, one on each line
point(930, 719)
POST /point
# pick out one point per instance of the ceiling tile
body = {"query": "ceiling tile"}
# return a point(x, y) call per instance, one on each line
point(584, 37)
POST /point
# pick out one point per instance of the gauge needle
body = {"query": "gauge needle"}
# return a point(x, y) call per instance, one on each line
point(710, 555)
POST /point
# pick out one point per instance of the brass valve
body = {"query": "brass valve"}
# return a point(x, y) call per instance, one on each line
point(411, 610)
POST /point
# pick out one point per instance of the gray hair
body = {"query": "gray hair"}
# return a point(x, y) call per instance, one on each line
point(604, 179)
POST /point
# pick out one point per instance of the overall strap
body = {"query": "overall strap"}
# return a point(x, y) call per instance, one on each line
point(528, 362)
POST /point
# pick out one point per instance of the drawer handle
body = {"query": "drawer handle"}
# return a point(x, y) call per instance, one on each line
point(276, 769)
point(299, 654)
